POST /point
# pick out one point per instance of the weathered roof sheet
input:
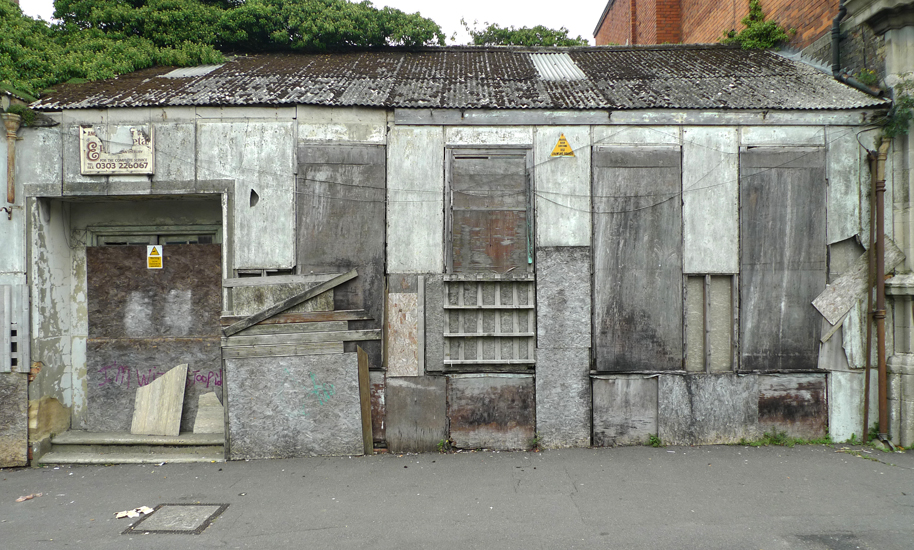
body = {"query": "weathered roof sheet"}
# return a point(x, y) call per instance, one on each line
point(615, 78)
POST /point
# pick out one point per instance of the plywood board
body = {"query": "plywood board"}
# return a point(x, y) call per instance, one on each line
point(14, 415)
point(563, 297)
point(403, 334)
point(491, 411)
point(783, 257)
point(707, 409)
point(563, 188)
point(844, 182)
point(563, 398)
point(416, 413)
point(624, 410)
point(710, 200)
point(294, 406)
point(415, 200)
point(637, 259)
point(158, 405)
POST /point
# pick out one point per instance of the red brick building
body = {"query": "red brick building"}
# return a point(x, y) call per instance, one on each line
point(705, 21)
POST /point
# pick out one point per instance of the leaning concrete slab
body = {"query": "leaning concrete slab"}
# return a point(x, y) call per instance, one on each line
point(416, 413)
point(158, 406)
point(707, 409)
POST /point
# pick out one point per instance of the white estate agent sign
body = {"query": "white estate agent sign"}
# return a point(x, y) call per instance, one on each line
point(126, 150)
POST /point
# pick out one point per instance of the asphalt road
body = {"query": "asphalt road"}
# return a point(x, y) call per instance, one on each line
point(734, 497)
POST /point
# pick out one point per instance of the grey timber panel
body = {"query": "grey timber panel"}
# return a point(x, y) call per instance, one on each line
point(563, 188)
point(416, 413)
point(248, 300)
point(340, 197)
point(293, 406)
point(783, 260)
point(490, 223)
point(709, 318)
point(377, 390)
point(142, 322)
point(563, 297)
point(637, 259)
point(624, 410)
point(435, 323)
point(491, 411)
point(710, 196)
point(117, 367)
point(793, 403)
point(14, 418)
point(707, 409)
point(563, 400)
point(844, 183)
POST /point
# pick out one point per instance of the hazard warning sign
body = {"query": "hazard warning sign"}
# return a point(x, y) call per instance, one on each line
point(562, 148)
point(154, 256)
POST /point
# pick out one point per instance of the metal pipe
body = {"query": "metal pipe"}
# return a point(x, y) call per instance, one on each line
point(836, 39)
point(880, 289)
point(871, 307)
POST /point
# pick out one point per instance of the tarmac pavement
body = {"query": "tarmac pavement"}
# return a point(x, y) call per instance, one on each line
point(715, 497)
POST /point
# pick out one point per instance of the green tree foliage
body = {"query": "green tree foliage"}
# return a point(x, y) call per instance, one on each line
point(98, 39)
point(494, 35)
point(759, 34)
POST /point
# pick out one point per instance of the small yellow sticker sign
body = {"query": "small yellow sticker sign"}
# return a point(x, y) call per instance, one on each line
point(154, 256)
point(562, 148)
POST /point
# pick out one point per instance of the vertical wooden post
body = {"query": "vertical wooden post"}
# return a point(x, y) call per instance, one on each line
point(365, 402)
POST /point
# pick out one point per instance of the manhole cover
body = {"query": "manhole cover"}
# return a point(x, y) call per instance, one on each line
point(185, 519)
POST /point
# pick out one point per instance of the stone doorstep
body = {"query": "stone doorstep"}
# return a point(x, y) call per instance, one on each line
point(77, 437)
point(79, 447)
point(127, 457)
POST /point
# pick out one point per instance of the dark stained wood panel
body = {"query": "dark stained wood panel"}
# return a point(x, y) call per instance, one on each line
point(783, 257)
point(637, 259)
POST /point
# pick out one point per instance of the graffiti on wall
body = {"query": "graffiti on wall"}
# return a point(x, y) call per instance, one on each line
point(128, 376)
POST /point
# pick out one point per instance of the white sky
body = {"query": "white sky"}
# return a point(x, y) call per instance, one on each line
point(580, 18)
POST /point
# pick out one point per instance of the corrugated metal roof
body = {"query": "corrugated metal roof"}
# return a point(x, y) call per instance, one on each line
point(614, 78)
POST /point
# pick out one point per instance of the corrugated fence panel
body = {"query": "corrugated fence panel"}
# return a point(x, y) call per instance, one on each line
point(783, 263)
point(637, 258)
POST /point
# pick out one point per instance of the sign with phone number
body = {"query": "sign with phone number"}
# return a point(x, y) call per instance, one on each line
point(127, 150)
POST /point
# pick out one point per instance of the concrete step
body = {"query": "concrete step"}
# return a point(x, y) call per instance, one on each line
point(79, 447)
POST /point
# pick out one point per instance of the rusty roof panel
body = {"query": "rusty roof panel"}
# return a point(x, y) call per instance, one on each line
point(616, 78)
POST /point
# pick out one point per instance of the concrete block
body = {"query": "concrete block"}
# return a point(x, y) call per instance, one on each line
point(280, 407)
point(624, 410)
point(175, 152)
point(793, 403)
point(416, 413)
point(563, 297)
point(563, 400)
point(707, 409)
point(14, 414)
point(210, 415)
point(491, 411)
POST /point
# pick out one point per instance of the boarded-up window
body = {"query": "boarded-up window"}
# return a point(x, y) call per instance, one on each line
point(783, 256)
point(637, 224)
point(490, 222)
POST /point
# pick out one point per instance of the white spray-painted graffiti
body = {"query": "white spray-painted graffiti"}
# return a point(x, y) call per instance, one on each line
point(126, 375)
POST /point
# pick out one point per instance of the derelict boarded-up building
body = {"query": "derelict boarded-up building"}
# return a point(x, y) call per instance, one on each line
point(569, 246)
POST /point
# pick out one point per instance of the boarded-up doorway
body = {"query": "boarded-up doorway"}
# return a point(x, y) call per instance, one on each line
point(143, 322)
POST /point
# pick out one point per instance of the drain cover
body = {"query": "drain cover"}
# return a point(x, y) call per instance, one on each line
point(184, 519)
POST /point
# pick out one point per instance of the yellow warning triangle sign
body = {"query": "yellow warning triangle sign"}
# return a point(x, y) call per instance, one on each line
point(562, 148)
point(155, 252)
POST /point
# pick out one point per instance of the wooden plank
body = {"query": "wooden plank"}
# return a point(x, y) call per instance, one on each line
point(24, 331)
point(294, 328)
point(637, 259)
point(783, 256)
point(5, 323)
point(158, 406)
point(286, 304)
point(365, 401)
point(319, 348)
point(305, 317)
point(302, 338)
point(839, 297)
point(276, 280)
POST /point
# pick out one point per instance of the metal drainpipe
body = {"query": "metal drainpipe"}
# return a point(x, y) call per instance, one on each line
point(836, 54)
point(880, 289)
point(11, 122)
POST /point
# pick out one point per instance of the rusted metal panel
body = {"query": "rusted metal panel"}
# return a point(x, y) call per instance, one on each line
point(637, 259)
point(783, 256)
point(490, 221)
point(293, 406)
point(491, 411)
point(144, 321)
point(793, 403)
point(403, 334)
point(624, 410)
point(416, 413)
